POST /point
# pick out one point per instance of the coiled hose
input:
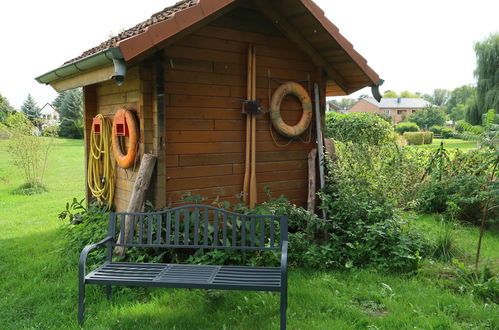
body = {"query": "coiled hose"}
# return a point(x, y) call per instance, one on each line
point(100, 163)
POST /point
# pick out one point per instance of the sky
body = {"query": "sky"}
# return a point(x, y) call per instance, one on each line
point(413, 45)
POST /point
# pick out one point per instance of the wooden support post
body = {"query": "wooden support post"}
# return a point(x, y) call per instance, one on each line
point(138, 195)
point(312, 186)
point(330, 150)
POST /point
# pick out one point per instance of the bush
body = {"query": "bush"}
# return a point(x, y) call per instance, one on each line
point(462, 126)
point(418, 138)
point(51, 131)
point(455, 188)
point(406, 127)
point(437, 130)
point(447, 133)
point(358, 127)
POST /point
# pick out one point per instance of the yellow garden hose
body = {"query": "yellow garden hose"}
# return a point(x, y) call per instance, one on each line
point(100, 163)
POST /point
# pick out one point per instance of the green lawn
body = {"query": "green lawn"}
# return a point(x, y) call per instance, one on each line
point(450, 144)
point(38, 282)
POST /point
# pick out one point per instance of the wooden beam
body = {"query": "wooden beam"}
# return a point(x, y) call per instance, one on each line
point(84, 78)
point(296, 37)
point(312, 176)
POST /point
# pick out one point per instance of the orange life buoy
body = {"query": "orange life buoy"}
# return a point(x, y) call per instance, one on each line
point(297, 90)
point(126, 160)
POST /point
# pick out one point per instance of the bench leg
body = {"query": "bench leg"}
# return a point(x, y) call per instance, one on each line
point(81, 303)
point(284, 306)
point(108, 291)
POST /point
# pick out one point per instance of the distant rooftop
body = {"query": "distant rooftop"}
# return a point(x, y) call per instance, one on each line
point(394, 103)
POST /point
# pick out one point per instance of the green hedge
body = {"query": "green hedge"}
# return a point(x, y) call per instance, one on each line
point(418, 138)
point(406, 127)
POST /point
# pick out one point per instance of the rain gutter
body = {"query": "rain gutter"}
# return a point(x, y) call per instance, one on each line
point(110, 55)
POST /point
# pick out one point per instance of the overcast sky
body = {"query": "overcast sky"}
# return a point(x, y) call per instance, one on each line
point(413, 45)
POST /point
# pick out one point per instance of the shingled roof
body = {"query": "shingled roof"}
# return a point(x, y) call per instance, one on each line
point(139, 28)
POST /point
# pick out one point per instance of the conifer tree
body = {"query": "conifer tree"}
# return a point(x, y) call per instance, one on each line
point(31, 109)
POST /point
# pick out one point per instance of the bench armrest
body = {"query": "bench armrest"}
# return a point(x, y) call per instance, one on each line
point(86, 251)
point(284, 263)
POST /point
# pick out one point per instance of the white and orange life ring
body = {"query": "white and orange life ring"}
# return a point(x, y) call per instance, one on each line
point(297, 90)
point(126, 160)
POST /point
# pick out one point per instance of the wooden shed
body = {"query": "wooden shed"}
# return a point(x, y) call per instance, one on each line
point(184, 74)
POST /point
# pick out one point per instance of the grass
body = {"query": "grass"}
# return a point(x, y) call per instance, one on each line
point(450, 144)
point(39, 284)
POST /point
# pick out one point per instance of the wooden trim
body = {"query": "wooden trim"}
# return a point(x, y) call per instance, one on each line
point(296, 37)
point(84, 78)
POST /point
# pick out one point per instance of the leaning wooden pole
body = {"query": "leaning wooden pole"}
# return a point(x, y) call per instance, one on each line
point(138, 196)
point(253, 188)
point(247, 174)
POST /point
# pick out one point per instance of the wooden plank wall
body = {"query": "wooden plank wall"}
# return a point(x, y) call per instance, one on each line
point(106, 98)
point(205, 130)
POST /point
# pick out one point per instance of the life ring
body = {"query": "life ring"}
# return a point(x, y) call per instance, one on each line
point(297, 90)
point(126, 160)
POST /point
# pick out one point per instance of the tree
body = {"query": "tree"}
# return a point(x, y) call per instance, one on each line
point(439, 97)
point(427, 117)
point(487, 75)
point(409, 95)
point(31, 109)
point(390, 94)
point(5, 108)
point(70, 107)
point(343, 104)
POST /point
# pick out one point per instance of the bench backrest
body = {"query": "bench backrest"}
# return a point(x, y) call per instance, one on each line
point(199, 226)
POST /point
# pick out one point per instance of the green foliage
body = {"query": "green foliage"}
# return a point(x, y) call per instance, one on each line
point(30, 109)
point(455, 187)
point(437, 130)
point(70, 107)
point(30, 188)
point(390, 94)
point(490, 119)
point(438, 97)
point(459, 99)
point(385, 117)
point(86, 225)
point(418, 138)
point(445, 247)
point(406, 127)
point(463, 126)
point(447, 133)
point(51, 131)
point(410, 95)
point(358, 128)
point(29, 153)
point(5, 108)
point(427, 117)
point(487, 75)
point(365, 187)
point(482, 283)
point(343, 104)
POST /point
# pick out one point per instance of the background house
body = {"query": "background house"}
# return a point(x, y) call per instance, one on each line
point(49, 115)
point(398, 108)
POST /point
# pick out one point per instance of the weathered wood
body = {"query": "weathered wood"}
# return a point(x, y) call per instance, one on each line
point(312, 187)
point(138, 195)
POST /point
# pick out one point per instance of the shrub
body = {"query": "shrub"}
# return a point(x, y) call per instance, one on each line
point(358, 127)
point(456, 188)
point(406, 127)
point(436, 129)
point(51, 131)
point(418, 138)
point(447, 133)
point(28, 152)
point(462, 126)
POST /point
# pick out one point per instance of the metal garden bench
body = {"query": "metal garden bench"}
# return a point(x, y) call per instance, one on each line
point(191, 227)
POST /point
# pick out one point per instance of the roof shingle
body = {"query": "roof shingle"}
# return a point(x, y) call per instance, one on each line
point(139, 28)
